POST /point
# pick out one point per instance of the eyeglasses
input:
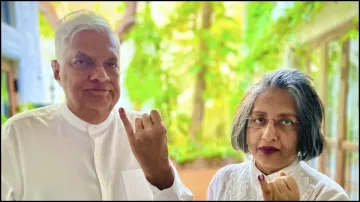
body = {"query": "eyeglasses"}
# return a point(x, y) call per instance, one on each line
point(284, 124)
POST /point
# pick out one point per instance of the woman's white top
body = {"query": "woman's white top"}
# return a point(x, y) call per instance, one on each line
point(240, 182)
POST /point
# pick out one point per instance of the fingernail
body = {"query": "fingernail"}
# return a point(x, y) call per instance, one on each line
point(121, 110)
point(261, 177)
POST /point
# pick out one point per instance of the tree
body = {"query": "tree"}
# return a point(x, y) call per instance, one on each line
point(48, 10)
point(199, 103)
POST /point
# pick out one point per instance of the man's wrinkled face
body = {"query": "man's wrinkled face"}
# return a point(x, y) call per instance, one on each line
point(89, 71)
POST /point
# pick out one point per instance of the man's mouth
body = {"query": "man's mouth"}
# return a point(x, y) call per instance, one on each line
point(98, 92)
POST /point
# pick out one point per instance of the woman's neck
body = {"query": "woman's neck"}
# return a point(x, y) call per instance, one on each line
point(267, 170)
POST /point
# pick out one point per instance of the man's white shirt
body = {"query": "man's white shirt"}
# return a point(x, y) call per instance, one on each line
point(51, 154)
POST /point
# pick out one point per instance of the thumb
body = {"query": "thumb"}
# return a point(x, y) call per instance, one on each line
point(128, 127)
point(264, 187)
point(282, 173)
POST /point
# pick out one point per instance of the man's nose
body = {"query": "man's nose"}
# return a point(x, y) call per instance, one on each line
point(99, 73)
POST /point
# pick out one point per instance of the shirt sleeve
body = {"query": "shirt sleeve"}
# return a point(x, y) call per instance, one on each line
point(216, 189)
point(9, 178)
point(178, 191)
point(332, 195)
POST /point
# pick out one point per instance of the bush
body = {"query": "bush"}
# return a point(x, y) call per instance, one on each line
point(204, 149)
point(3, 119)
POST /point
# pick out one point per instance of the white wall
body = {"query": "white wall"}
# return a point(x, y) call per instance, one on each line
point(22, 44)
point(332, 15)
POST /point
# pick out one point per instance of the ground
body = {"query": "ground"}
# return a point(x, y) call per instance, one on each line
point(197, 175)
point(197, 180)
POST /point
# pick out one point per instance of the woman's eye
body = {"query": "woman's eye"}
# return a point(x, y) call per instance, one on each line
point(287, 122)
point(259, 120)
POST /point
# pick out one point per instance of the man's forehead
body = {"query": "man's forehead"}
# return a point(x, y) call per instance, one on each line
point(110, 55)
point(92, 43)
point(93, 38)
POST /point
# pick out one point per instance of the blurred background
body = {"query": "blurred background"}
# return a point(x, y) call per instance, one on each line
point(193, 61)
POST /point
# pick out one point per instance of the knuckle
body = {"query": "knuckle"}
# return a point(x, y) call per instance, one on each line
point(162, 127)
point(148, 131)
point(144, 115)
point(154, 111)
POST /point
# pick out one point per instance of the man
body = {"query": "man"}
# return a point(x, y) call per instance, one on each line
point(85, 149)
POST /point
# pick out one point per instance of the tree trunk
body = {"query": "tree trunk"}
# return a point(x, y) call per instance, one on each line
point(128, 20)
point(124, 27)
point(198, 102)
point(49, 12)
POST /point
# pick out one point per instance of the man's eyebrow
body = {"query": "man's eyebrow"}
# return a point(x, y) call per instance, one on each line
point(112, 59)
point(80, 54)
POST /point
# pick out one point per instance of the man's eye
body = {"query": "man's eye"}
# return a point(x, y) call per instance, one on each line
point(79, 62)
point(111, 65)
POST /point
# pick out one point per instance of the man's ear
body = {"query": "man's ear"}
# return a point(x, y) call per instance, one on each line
point(56, 70)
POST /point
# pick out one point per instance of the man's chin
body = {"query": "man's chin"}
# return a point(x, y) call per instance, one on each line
point(98, 105)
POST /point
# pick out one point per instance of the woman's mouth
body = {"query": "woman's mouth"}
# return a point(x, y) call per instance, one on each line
point(268, 150)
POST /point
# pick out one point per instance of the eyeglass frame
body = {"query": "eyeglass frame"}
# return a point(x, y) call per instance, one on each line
point(276, 121)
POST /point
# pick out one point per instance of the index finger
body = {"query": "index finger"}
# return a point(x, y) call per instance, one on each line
point(264, 188)
point(155, 116)
point(128, 127)
point(291, 183)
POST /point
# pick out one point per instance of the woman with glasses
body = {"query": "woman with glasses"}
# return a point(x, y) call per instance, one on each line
point(278, 127)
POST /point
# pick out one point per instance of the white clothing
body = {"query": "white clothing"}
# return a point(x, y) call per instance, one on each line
point(51, 154)
point(240, 182)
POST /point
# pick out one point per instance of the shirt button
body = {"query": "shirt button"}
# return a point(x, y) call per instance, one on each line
point(103, 182)
point(97, 154)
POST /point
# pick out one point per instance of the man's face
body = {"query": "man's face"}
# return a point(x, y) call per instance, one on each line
point(89, 71)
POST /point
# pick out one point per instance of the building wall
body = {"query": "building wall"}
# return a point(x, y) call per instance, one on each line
point(332, 15)
point(22, 45)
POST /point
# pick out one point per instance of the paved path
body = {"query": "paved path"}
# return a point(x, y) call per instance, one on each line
point(197, 180)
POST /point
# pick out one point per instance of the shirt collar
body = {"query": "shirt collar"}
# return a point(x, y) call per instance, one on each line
point(72, 119)
point(288, 170)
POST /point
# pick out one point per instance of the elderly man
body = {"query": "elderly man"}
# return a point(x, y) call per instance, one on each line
point(85, 149)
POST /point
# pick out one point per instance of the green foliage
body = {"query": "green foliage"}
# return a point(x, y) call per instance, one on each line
point(207, 149)
point(3, 119)
point(46, 31)
point(167, 58)
point(266, 39)
point(25, 107)
point(236, 51)
point(21, 108)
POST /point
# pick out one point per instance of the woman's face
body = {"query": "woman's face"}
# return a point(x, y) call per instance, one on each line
point(272, 132)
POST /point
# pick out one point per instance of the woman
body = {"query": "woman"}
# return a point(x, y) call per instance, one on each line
point(278, 126)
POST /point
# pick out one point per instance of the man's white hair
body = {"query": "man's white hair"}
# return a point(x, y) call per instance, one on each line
point(78, 21)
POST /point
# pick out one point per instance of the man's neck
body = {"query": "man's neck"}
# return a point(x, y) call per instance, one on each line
point(89, 115)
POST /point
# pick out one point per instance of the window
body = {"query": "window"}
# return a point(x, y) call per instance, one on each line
point(8, 91)
point(8, 13)
point(334, 66)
